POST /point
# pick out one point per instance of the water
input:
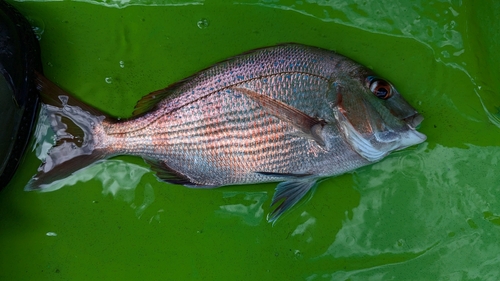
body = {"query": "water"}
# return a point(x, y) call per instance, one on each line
point(203, 23)
point(431, 212)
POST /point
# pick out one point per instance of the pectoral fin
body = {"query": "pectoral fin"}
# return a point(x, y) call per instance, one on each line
point(289, 193)
point(310, 126)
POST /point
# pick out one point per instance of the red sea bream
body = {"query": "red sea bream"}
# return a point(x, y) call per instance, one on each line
point(291, 114)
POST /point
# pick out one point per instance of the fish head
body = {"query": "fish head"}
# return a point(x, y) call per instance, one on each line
point(373, 116)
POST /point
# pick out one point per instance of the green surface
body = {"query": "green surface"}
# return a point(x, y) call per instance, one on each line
point(431, 212)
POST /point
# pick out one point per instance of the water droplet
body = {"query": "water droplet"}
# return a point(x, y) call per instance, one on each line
point(38, 27)
point(108, 80)
point(122, 64)
point(202, 24)
point(52, 234)
point(297, 254)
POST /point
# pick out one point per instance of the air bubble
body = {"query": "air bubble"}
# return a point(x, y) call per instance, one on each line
point(202, 24)
point(108, 80)
point(52, 234)
point(122, 64)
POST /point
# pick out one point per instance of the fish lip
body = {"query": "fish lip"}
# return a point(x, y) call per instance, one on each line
point(414, 120)
point(412, 136)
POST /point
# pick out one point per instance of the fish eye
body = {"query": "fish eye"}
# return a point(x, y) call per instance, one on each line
point(381, 88)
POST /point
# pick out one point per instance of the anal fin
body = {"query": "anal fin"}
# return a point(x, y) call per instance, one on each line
point(167, 174)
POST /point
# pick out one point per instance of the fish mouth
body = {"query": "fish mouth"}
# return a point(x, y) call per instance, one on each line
point(414, 120)
point(412, 136)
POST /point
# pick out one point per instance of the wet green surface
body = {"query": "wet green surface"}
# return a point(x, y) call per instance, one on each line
point(431, 212)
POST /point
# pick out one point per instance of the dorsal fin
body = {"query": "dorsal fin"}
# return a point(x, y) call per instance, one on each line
point(149, 101)
point(310, 126)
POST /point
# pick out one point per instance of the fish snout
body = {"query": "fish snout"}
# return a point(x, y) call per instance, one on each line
point(414, 120)
point(411, 136)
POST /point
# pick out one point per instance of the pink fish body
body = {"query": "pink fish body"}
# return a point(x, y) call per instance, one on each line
point(291, 113)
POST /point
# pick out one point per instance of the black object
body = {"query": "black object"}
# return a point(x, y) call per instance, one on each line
point(19, 58)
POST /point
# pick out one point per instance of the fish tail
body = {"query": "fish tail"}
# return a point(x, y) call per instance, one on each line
point(77, 130)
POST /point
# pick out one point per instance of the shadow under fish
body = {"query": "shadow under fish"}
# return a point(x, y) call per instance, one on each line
point(291, 113)
point(19, 58)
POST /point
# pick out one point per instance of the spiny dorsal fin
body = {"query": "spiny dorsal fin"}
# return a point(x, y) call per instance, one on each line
point(310, 126)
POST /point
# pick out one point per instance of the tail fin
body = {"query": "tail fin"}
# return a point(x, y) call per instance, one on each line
point(78, 134)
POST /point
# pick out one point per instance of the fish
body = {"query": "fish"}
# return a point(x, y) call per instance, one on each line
point(290, 113)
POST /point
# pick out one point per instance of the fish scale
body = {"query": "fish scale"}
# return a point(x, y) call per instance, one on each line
point(287, 80)
point(191, 140)
point(291, 113)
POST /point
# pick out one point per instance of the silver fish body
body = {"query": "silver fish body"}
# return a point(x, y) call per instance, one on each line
point(289, 113)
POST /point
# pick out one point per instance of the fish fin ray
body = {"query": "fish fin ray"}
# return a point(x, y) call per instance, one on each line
point(287, 194)
point(56, 96)
point(149, 101)
point(167, 174)
point(52, 170)
point(310, 126)
point(72, 123)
